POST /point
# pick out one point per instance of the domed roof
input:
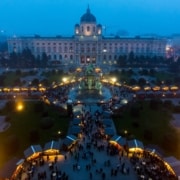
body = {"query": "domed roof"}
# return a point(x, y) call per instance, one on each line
point(88, 17)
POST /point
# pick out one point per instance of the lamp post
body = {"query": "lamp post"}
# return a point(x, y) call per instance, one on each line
point(64, 79)
point(104, 51)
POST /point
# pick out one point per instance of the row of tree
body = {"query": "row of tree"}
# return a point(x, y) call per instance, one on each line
point(25, 59)
point(135, 60)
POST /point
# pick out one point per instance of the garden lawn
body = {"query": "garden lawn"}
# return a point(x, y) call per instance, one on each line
point(154, 121)
point(54, 76)
point(163, 76)
point(10, 78)
point(22, 123)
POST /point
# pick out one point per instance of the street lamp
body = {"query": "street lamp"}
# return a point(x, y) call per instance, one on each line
point(19, 106)
point(64, 80)
point(114, 81)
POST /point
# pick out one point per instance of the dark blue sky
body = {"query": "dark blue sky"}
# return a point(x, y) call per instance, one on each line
point(58, 17)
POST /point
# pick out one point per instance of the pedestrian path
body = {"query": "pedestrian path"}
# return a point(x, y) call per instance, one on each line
point(90, 159)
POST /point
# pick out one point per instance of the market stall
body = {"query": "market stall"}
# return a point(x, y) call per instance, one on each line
point(173, 165)
point(135, 146)
point(118, 141)
point(52, 148)
point(76, 130)
point(69, 142)
point(32, 152)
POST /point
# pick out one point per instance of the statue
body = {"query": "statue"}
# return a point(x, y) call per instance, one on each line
point(90, 81)
point(89, 69)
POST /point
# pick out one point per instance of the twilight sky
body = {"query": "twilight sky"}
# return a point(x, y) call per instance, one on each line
point(58, 17)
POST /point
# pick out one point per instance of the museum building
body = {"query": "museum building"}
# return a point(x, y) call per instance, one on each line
point(88, 45)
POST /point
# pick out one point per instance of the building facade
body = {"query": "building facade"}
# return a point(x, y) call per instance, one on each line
point(88, 45)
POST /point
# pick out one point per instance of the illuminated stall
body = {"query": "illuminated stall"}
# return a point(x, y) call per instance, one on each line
point(76, 130)
point(118, 141)
point(19, 168)
point(174, 88)
point(165, 88)
point(147, 88)
point(153, 152)
point(135, 88)
point(52, 148)
point(156, 88)
point(135, 146)
point(32, 152)
point(69, 142)
point(173, 165)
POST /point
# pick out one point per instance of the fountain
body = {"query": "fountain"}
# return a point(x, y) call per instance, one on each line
point(90, 88)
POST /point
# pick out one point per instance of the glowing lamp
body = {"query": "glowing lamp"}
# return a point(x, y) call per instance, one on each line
point(19, 107)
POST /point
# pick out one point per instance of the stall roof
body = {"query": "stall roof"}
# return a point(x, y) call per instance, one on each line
point(77, 113)
point(69, 140)
point(119, 139)
point(135, 144)
point(107, 114)
point(75, 130)
point(52, 145)
point(107, 122)
point(21, 161)
point(153, 151)
point(76, 121)
point(32, 150)
point(174, 163)
point(109, 131)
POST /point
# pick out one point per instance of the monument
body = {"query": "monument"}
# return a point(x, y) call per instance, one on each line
point(90, 88)
point(91, 79)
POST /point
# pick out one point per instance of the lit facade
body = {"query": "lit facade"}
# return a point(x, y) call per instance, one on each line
point(88, 45)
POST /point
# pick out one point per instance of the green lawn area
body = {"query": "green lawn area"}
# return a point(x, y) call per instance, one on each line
point(163, 76)
point(151, 127)
point(10, 78)
point(54, 76)
point(22, 124)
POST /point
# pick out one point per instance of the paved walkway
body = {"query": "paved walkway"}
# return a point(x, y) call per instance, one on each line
point(88, 162)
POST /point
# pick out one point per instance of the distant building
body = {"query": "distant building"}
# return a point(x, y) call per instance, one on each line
point(88, 45)
point(175, 46)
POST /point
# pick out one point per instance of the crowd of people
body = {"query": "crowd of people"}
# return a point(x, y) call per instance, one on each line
point(150, 166)
point(93, 156)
